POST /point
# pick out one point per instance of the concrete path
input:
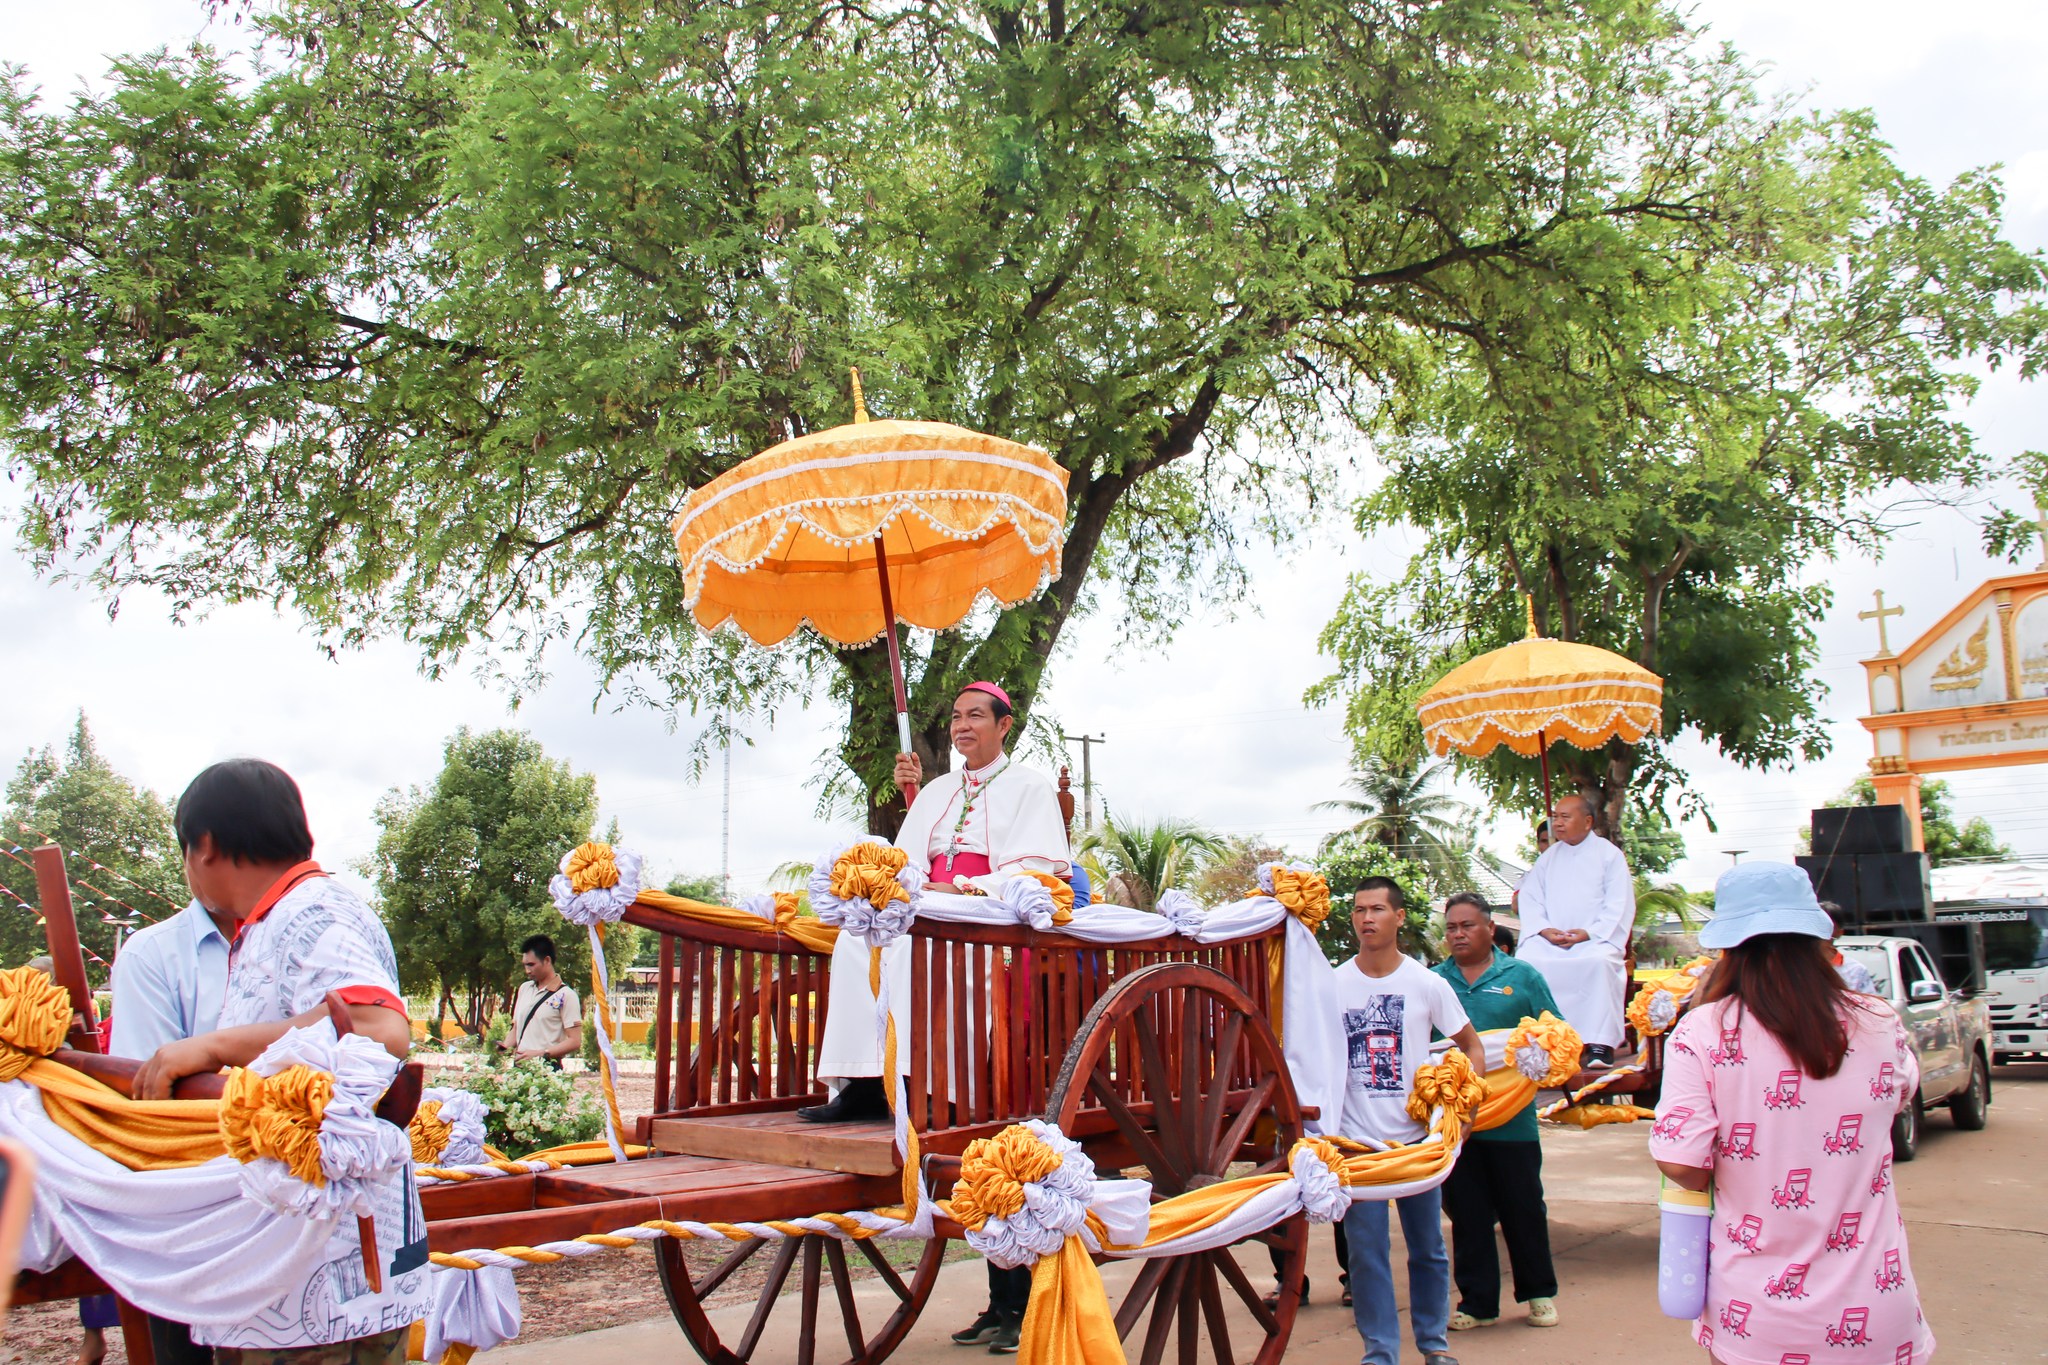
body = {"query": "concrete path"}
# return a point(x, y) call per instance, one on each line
point(1976, 1205)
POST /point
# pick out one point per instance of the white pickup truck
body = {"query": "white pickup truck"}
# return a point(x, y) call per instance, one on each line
point(1951, 1032)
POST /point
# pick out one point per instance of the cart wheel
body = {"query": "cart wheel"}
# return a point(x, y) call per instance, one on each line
point(864, 1345)
point(1176, 1068)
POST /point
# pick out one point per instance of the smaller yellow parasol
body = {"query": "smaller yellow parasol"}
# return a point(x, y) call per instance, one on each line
point(851, 529)
point(1526, 694)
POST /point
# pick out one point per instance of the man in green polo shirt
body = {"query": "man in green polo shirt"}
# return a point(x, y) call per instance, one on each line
point(1499, 1175)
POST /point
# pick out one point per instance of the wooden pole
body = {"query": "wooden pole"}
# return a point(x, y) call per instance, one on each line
point(1543, 754)
point(67, 957)
point(895, 664)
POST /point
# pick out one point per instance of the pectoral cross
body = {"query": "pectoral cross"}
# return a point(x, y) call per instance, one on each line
point(1878, 613)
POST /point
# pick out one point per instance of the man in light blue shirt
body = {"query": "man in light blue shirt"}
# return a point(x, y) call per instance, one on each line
point(169, 981)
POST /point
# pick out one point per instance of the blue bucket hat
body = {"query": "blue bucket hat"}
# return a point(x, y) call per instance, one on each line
point(1763, 898)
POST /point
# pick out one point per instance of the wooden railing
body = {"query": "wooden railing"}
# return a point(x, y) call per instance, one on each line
point(994, 1010)
point(991, 1014)
point(737, 1018)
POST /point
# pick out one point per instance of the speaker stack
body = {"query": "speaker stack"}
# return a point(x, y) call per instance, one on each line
point(1862, 861)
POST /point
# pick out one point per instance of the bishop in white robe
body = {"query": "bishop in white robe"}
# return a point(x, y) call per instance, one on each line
point(1578, 906)
point(985, 823)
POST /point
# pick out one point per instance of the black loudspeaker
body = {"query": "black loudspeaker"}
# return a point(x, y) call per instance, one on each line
point(1957, 949)
point(1834, 879)
point(1860, 830)
point(1894, 886)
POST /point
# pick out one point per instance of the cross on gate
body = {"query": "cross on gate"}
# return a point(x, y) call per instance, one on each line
point(1877, 614)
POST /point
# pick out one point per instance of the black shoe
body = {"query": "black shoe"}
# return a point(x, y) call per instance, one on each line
point(860, 1100)
point(1597, 1057)
point(1009, 1332)
point(981, 1331)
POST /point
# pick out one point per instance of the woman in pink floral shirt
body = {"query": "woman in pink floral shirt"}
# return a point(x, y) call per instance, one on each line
point(1781, 1085)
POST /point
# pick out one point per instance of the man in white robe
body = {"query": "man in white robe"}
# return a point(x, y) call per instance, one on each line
point(986, 821)
point(1578, 906)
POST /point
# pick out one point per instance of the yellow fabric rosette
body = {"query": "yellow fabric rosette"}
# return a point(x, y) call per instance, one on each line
point(591, 867)
point(429, 1133)
point(35, 1014)
point(277, 1116)
point(994, 1172)
point(867, 871)
point(1305, 894)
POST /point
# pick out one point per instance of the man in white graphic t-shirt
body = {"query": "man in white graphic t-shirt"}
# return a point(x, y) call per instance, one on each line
point(1389, 1004)
point(248, 854)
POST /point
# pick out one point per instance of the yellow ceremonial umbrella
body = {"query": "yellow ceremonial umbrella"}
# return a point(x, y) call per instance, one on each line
point(851, 529)
point(1537, 690)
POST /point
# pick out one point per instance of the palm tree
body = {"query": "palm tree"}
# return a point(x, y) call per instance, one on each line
point(1134, 862)
point(1398, 810)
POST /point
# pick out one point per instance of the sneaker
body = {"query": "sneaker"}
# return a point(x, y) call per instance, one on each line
point(1272, 1300)
point(1009, 1332)
point(1543, 1312)
point(1597, 1057)
point(1461, 1321)
point(981, 1331)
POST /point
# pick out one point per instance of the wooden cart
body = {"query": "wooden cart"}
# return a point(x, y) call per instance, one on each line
point(1158, 1054)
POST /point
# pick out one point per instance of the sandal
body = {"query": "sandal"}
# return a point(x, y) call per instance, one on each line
point(1461, 1321)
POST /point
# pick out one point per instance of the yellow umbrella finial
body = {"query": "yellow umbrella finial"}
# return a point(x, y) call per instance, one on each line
point(860, 407)
point(1528, 600)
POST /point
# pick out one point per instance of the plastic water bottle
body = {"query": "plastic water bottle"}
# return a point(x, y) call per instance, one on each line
point(1686, 1223)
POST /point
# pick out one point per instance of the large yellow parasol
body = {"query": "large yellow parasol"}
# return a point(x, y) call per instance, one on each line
point(851, 529)
point(1527, 694)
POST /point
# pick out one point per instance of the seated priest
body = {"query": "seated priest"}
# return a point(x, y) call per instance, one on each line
point(987, 821)
point(1578, 906)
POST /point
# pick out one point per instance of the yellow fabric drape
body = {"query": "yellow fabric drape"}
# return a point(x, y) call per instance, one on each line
point(814, 934)
point(1593, 1115)
point(1068, 1321)
point(143, 1135)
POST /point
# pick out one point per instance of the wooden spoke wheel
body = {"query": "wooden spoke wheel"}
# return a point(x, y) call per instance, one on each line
point(832, 1325)
point(1180, 1061)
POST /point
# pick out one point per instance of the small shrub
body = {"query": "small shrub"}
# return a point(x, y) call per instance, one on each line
point(531, 1106)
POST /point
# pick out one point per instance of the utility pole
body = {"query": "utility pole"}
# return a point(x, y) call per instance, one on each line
point(725, 833)
point(1087, 743)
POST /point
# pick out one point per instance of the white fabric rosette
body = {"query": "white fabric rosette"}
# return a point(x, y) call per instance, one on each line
point(1182, 912)
point(1323, 1196)
point(358, 1150)
point(478, 1308)
point(1030, 900)
point(1533, 1061)
point(761, 903)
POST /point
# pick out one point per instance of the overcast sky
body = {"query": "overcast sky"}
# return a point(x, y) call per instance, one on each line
point(1211, 729)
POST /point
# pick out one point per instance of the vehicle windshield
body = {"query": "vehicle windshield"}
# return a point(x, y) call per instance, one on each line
point(1877, 960)
point(2015, 945)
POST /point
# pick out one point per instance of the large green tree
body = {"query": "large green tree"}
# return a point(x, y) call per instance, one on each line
point(427, 329)
point(1661, 474)
point(120, 852)
point(462, 870)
